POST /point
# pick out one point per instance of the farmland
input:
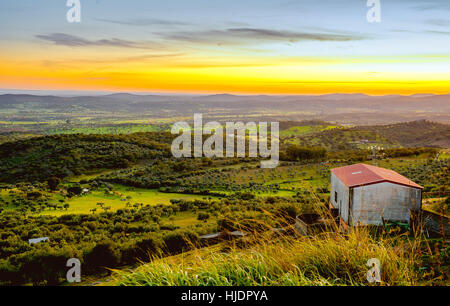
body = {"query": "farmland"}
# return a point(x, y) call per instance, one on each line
point(113, 198)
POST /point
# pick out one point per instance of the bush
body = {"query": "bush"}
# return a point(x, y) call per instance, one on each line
point(202, 216)
point(74, 191)
point(143, 250)
point(180, 241)
point(41, 266)
point(103, 255)
point(289, 212)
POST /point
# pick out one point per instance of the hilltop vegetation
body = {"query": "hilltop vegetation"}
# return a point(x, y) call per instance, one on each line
point(413, 134)
point(38, 159)
point(409, 134)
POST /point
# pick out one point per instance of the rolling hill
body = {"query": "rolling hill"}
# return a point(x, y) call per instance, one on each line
point(420, 133)
point(343, 108)
point(37, 159)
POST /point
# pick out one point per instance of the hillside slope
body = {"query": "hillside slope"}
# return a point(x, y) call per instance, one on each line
point(37, 159)
point(415, 133)
point(293, 261)
point(420, 133)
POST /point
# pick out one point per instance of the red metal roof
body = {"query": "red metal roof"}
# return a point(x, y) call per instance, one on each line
point(362, 174)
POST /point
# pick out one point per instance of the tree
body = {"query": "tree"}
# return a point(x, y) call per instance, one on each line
point(74, 191)
point(179, 241)
point(53, 183)
point(33, 195)
point(202, 216)
point(101, 256)
point(147, 246)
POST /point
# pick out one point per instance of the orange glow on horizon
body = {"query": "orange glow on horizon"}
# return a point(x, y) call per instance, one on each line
point(234, 76)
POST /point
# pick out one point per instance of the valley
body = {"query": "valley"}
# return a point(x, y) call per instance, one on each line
point(105, 188)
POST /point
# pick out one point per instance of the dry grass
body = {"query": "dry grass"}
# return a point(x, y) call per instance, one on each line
point(264, 259)
point(327, 259)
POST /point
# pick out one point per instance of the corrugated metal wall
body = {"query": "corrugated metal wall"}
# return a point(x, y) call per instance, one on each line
point(390, 201)
point(342, 203)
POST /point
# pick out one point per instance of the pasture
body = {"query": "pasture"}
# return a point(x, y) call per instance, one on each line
point(117, 199)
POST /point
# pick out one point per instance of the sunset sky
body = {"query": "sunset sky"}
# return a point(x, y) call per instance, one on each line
point(239, 47)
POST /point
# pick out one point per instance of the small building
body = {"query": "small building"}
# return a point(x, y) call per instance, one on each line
point(224, 235)
point(37, 240)
point(369, 195)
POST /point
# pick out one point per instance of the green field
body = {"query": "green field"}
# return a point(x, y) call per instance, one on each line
point(445, 154)
point(88, 176)
point(117, 199)
point(117, 129)
point(305, 130)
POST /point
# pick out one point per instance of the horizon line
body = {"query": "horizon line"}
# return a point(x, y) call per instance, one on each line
point(80, 93)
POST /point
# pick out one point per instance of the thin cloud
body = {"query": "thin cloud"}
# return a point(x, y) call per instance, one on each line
point(421, 31)
point(439, 22)
point(62, 39)
point(145, 22)
point(439, 32)
point(244, 36)
point(109, 61)
point(432, 5)
point(268, 34)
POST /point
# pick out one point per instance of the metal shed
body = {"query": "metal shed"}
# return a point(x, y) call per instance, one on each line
point(369, 195)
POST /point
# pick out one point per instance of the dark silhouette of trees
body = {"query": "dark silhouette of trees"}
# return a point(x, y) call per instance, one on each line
point(53, 183)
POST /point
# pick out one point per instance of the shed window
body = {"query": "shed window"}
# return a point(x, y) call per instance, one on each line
point(335, 197)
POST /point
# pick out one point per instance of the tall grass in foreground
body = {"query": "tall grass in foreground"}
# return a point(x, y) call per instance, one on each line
point(327, 259)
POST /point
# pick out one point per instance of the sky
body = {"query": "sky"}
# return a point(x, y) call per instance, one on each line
point(233, 46)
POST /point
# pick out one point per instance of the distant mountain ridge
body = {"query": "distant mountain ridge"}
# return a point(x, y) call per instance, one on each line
point(323, 107)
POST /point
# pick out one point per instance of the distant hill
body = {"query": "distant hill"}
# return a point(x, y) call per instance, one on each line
point(344, 108)
point(37, 159)
point(420, 133)
point(415, 133)
point(284, 125)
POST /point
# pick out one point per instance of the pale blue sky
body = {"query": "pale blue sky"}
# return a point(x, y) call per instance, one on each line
point(407, 27)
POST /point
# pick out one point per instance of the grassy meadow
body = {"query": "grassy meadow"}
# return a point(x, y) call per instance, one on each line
point(117, 199)
point(325, 260)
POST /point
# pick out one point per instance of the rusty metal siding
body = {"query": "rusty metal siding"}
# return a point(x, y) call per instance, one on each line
point(337, 186)
point(388, 201)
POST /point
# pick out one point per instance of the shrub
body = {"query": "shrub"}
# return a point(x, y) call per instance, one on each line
point(103, 255)
point(143, 250)
point(180, 241)
point(202, 216)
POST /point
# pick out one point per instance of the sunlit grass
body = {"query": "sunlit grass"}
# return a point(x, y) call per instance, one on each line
point(117, 200)
point(333, 259)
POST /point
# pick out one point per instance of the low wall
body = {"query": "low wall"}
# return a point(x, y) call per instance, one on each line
point(436, 223)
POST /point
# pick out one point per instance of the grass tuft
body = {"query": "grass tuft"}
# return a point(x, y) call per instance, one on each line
point(327, 259)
